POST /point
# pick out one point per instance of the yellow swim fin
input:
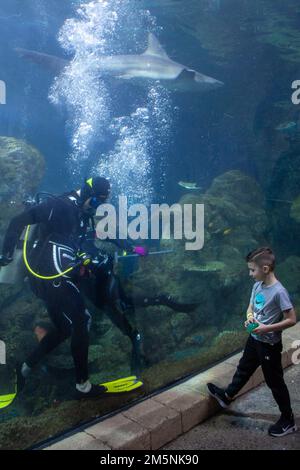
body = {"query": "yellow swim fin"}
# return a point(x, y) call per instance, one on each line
point(124, 385)
point(6, 400)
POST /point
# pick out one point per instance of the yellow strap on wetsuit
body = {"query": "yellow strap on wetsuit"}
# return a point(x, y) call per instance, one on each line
point(47, 278)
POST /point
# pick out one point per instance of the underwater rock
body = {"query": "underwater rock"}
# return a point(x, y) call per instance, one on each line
point(17, 321)
point(283, 203)
point(211, 266)
point(181, 324)
point(288, 273)
point(191, 199)
point(63, 361)
point(237, 188)
point(279, 30)
point(22, 167)
point(229, 341)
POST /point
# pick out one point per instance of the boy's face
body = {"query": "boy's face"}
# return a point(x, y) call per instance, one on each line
point(258, 273)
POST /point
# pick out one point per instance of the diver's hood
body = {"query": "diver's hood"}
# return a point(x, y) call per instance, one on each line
point(94, 187)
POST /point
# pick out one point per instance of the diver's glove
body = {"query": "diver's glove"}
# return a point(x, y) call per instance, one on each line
point(5, 260)
point(140, 250)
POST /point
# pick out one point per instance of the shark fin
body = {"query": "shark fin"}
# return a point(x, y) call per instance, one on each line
point(155, 48)
point(187, 74)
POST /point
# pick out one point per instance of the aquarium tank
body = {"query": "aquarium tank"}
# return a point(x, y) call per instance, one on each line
point(191, 107)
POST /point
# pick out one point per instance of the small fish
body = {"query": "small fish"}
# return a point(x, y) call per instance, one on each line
point(190, 186)
point(287, 127)
point(211, 224)
point(227, 231)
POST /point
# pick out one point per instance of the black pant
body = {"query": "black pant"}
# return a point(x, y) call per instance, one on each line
point(67, 310)
point(267, 356)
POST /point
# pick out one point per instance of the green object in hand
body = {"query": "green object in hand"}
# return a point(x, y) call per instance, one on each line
point(252, 327)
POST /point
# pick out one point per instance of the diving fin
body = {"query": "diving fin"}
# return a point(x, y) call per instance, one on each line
point(114, 387)
point(124, 385)
point(6, 400)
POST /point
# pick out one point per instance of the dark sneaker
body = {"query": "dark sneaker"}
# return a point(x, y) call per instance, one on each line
point(219, 394)
point(283, 427)
point(97, 391)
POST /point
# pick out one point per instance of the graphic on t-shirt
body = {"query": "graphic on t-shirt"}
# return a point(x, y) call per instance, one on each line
point(259, 301)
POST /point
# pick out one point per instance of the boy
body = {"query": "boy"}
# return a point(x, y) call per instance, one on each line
point(270, 307)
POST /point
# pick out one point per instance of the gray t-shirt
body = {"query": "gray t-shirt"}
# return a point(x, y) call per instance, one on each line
point(268, 303)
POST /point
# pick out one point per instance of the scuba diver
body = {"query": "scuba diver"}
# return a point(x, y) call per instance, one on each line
point(61, 271)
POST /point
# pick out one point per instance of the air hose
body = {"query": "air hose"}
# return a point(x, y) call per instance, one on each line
point(84, 262)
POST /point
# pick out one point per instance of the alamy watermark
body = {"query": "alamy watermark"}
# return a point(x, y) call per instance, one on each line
point(2, 353)
point(160, 221)
point(296, 354)
point(2, 92)
point(296, 95)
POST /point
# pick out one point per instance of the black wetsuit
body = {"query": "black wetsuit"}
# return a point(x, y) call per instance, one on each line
point(62, 234)
point(62, 231)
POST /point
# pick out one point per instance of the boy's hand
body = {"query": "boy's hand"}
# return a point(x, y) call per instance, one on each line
point(261, 329)
point(250, 320)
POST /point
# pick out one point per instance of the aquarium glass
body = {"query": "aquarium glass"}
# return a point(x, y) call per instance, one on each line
point(193, 105)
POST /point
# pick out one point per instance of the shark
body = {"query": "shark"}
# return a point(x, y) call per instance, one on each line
point(152, 65)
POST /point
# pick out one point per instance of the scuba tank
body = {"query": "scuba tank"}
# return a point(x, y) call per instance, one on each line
point(15, 272)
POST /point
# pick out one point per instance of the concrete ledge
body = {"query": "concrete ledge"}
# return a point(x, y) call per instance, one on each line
point(121, 433)
point(160, 419)
point(163, 422)
point(192, 406)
